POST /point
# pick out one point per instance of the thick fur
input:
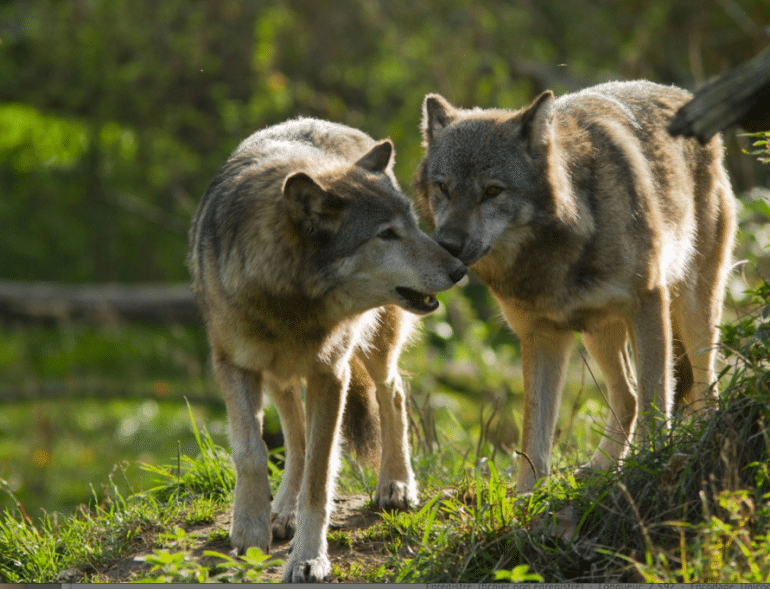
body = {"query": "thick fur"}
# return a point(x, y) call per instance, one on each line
point(583, 214)
point(304, 256)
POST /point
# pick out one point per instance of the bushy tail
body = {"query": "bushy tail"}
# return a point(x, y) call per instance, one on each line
point(361, 418)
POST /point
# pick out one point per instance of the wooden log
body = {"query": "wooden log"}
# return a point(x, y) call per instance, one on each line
point(739, 97)
point(24, 302)
point(77, 391)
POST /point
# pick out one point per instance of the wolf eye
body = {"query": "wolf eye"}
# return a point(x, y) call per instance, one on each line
point(492, 191)
point(387, 234)
point(442, 186)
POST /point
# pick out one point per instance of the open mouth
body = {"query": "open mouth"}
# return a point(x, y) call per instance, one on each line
point(419, 302)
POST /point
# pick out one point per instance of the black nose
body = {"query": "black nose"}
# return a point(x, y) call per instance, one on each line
point(457, 274)
point(453, 244)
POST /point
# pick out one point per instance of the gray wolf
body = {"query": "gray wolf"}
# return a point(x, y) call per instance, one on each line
point(582, 214)
point(305, 258)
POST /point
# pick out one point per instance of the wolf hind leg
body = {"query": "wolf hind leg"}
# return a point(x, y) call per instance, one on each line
point(242, 390)
point(653, 348)
point(697, 313)
point(608, 346)
point(396, 484)
point(292, 415)
point(697, 303)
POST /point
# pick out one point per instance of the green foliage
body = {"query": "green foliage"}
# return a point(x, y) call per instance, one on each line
point(176, 567)
point(519, 574)
point(29, 139)
point(749, 337)
point(760, 146)
point(114, 115)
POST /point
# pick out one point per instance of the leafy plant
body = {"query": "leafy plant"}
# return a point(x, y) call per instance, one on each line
point(178, 567)
point(760, 146)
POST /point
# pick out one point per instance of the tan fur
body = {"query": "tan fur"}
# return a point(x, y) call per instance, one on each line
point(305, 257)
point(583, 214)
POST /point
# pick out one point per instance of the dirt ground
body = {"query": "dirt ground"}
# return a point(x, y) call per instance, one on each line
point(351, 513)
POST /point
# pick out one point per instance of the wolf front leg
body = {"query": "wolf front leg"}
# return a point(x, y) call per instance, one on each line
point(324, 401)
point(242, 390)
point(544, 356)
point(653, 348)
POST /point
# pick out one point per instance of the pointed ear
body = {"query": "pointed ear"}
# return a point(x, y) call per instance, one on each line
point(537, 122)
point(315, 210)
point(379, 158)
point(437, 114)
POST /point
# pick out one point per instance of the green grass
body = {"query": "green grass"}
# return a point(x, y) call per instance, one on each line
point(187, 494)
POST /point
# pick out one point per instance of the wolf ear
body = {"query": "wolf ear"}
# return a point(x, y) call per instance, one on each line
point(379, 158)
point(437, 114)
point(537, 122)
point(315, 210)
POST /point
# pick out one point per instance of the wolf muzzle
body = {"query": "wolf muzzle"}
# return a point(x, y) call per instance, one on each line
point(457, 243)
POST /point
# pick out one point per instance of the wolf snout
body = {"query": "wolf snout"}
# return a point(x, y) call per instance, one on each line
point(458, 273)
point(454, 267)
point(452, 241)
point(459, 244)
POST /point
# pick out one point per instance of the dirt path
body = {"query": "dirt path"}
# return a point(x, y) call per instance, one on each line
point(350, 515)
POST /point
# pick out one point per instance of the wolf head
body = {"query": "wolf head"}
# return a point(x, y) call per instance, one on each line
point(489, 172)
point(365, 239)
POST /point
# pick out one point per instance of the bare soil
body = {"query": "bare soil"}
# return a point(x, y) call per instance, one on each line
point(351, 514)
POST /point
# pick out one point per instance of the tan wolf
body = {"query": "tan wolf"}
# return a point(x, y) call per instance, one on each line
point(304, 256)
point(583, 214)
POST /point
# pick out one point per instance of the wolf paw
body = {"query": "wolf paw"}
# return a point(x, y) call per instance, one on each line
point(284, 525)
point(396, 495)
point(314, 570)
point(248, 531)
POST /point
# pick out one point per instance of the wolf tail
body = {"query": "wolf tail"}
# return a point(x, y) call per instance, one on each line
point(361, 419)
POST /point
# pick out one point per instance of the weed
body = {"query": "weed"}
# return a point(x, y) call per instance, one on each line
point(179, 567)
point(341, 538)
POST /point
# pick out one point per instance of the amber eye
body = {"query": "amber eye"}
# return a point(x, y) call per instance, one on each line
point(492, 191)
point(387, 234)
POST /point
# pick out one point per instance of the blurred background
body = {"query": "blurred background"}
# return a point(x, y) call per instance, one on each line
point(115, 115)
